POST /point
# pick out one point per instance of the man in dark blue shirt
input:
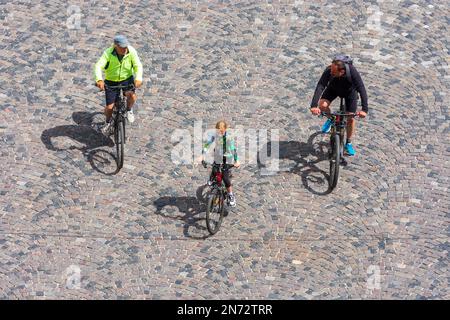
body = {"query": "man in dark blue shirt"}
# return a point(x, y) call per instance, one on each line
point(335, 83)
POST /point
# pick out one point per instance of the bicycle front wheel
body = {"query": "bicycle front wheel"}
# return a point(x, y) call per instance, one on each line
point(334, 160)
point(215, 211)
point(120, 141)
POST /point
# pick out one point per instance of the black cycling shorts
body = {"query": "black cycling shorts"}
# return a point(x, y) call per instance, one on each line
point(111, 95)
point(351, 100)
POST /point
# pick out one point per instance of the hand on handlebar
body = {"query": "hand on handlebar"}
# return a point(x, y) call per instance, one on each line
point(137, 83)
point(361, 114)
point(201, 160)
point(315, 111)
point(101, 85)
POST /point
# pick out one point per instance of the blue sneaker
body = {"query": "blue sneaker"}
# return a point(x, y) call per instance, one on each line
point(326, 126)
point(349, 149)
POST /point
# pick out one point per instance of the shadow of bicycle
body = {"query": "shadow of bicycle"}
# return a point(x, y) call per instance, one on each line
point(188, 210)
point(85, 138)
point(303, 159)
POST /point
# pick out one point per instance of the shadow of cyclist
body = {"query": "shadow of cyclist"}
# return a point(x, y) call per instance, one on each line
point(189, 211)
point(305, 157)
point(83, 133)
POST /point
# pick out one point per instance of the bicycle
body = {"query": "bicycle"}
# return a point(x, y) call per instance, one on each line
point(118, 118)
point(217, 199)
point(337, 138)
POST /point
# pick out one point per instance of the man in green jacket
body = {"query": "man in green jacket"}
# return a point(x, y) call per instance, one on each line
point(122, 66)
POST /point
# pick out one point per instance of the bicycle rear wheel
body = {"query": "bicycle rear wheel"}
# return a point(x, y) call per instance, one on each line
point(119, 137)
point(334, 161)
point(215, 211)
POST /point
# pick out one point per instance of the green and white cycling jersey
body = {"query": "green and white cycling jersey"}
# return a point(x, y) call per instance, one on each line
point(225, 148)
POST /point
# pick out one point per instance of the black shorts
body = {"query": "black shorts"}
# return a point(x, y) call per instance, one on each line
point(351, 100)
point(111, 95)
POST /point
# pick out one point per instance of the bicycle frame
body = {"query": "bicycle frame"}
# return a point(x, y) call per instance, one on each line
point(337, 134)
point(218, 197)
point(120, 106)
point(339, 124)
point(118, 118)
point(218, 182)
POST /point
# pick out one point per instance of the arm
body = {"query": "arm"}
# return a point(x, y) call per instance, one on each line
point(234, 149)
point(137, 66)
point(359, 86)
point(100, 66)
point(321, 85)
point(207, 144)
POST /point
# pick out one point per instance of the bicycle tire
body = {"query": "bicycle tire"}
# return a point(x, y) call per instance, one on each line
point(334, 160)
point(213, 226)
point(120, 141)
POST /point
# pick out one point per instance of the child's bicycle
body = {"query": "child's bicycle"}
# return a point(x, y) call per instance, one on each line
point(217, 199)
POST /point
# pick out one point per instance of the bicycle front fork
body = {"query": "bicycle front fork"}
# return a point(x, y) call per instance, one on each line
point(342, 145)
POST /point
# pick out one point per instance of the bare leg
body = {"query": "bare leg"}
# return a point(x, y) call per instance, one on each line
point(109, 111)
point(350, 128)
point(131, 99)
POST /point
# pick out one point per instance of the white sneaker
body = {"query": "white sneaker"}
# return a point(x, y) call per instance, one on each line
point(130, 116)
point(107, 129)
point(232, 200)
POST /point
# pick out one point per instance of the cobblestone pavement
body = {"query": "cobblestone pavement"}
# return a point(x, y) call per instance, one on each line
point(70, 228)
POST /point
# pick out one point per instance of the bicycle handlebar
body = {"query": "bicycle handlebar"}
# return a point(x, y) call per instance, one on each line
point(342, 114)
point(205, 165)
point(129, 86)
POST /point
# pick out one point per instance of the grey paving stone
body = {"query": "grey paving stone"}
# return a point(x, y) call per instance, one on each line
point(142, 233)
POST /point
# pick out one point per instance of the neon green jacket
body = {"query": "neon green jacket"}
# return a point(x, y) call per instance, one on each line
point(116, 70)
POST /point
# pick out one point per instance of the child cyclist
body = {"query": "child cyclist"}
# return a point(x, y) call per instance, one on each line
point(224, 152)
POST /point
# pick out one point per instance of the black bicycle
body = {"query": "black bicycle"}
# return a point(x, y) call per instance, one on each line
point(118, 118)
point(217, 199)
point(337, 137)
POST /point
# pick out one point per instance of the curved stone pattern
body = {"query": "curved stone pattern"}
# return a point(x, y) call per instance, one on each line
point(71, 228)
